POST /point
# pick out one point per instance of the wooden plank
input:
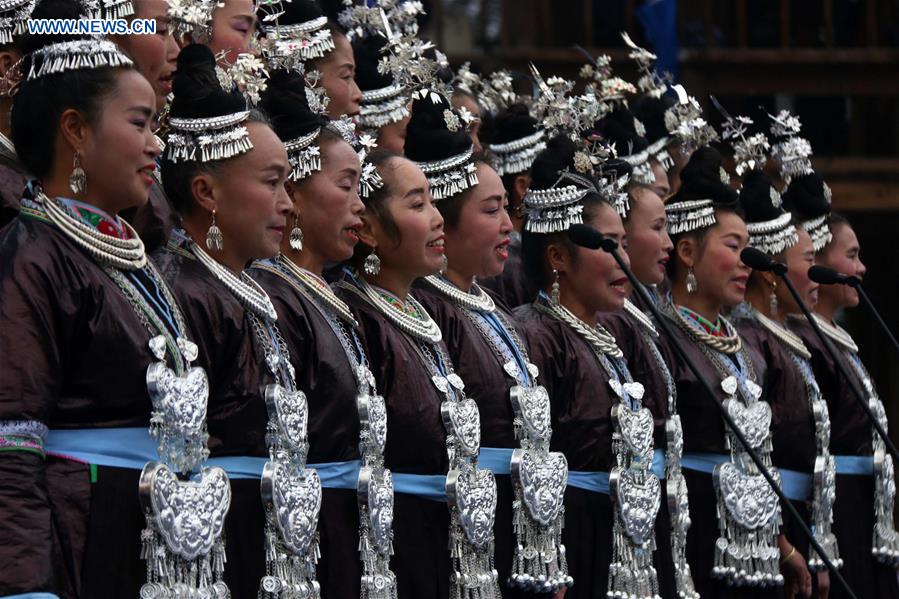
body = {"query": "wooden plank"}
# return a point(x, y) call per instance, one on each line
point(865, 196)
point(784, 23)
point(742, 16)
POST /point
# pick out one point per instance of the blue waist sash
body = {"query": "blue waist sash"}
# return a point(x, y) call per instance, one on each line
point(797, 486)
point(598, 482)
point(858, 465)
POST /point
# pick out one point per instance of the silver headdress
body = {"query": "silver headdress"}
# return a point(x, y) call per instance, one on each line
point(685, 123)
point(451, 175)
point(750, 152)
point(383, 106)
point(193, 18)
point(517, 155)
point(13, 17)
point(611, 90)
point(369, 179)
point(208, 139)
point(560, 112)
point(107, 9)
point(819, 230)
point(359, 19)
point(692, 215)
point(775, 235)
point(76, 55)
point(650, 82)
point(555, 209)
point(789, 149)
point(303, 152)
point(288, 46)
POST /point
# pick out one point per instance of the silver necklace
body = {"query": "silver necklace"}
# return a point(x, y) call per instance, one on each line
point(596, 335)
point(122, 254)
point(838, 334)
point(244, 288)
point(476, 299)
point(730, 343)
point(790, 339)
point(319, 288)
point(423, 328)
point(642, 319)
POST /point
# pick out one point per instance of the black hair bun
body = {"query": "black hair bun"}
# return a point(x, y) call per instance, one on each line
point(757, 197)
point(807, 197)
point(198, 93)
point(549, 164)
point(616, 167)
point(701, 179)
point(50, 9)
point(427, 136)
point(651, 112)
point(367, 52)
point(299, 11)
point(284, 102)
point(515, 122)
point(619, 128)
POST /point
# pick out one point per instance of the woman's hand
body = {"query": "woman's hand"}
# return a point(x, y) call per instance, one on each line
point(797, 578)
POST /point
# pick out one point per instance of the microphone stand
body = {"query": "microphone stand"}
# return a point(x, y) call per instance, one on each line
point(611, 247)
point(883, 325)
point(781, 271)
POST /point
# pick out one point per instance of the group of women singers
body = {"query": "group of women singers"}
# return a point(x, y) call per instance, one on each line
point(324, 332)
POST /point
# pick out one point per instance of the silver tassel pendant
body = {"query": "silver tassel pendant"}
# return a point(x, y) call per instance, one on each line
point(678, 508)
point(288, 576)
point(539, 563)
point(375, 490)
point(474, 575)
point(637, 498)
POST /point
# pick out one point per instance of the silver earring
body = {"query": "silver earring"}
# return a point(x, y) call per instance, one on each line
point(772, 300)
point(555, 294)
point(692, 283)
point(78, 178)
point(214, 239)
point(444, 264)
point(372, 264)
point(296, 235)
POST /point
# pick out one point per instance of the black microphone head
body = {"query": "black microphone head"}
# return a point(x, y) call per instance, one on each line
point(588, 237)
point(756, 259)
point(828, 276)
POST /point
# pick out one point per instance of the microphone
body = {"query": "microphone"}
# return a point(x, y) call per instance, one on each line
point(762, 262)
point(588, 237)
point(828, 276)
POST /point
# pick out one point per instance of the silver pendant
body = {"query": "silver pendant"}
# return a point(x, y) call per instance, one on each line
point(635, 429)
point(376, 499)
point(542, 477)
point(373, 419)
point(290, 413)
point(754, 420)
point(182, 543)
point(531, 408)
point(295, 500)
point(822, 513)
point(746, 551)
point(471, 495)
point(179, 414)
point(637, 502)
point(539, 479)
point(462, 421)
point(678, 507)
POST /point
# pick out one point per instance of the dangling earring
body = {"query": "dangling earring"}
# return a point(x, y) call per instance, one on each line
point(692, 283)
point(78, 178)
point(214, 239)
point(444, 265)
point(372, 264)
point(296, 234)
point(555, 294)
point(772, 300)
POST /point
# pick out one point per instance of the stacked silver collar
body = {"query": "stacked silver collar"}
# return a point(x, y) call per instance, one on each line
point(375, 483)
point(824, 480)
point(885, 547)
point(539, 477)
point(675, 484)
point(516, 156)
point(291, 493)
point(190, 558)
point(746, 551)
point(470, 490)
point(633, 488)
